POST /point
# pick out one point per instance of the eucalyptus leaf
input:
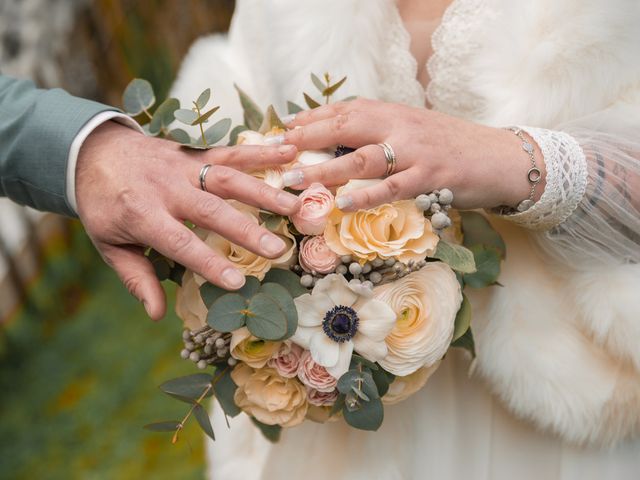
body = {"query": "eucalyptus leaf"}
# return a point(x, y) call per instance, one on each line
point(463, 319)
point(217, 131)
point(287, 279)
point(270, 432)
point(185, 116)
point(166, 426)
point(338, 405)
point(293, 108)
point(347, 380)
point(180, 136)
point(210, 293)
point(368, 417)
point(356, 359)
point(359, 393)
point(350, 98)
point(138, 97)
point(369, 386)
point(285, 301)
point(252, 114)
point(203, 99)
point(272, 222)
point(190, 386)
point(467, 342)
point(333, 88)
point(477, 231)
point(459, 258)
point(382, 380)
point(265, 319)
point(318, 83)
point(204, 118)
point(225, 389)
point(228, 313)
point(310, 101)
point(164, 115)
point(271, 120)
point(487, 261)
point(250, 287)
point(203, 420)
point(233, 136)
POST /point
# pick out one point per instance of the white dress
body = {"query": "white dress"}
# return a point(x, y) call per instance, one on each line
point(559, 345)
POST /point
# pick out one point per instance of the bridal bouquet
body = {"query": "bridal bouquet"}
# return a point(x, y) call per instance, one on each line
point(354, 316)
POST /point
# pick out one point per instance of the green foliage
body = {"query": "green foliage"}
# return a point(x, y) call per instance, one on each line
point(326, 88)
point(138, 97)
point(361, 390)
point(203, 99)
point(217, 131)
point(271, 120)
point(202, 417)
point(252, 115)
point(204, 118)
point(478, 231)
point(270, 432)
point(285, 302)
point(233, 136)
point(467, 342)
point(186, 116)
point(266, 320)
point(459, 258)
point(487, 261)
point(311, 103)
point(293, 108)
point(180, 136)
point(224, 390)
point(463, 319)
point(188, 387)
point(228, 313)
point(163, 116)
point(287, 279)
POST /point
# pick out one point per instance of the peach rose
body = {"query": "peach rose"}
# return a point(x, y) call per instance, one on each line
point(316, 205)
point(269, 397)
point(322, 399)
point(403, 387)
point(248, 262)
point(252, 350)
point(189, 305)
point(316, 256)
point(271, 176)
point(395, 229)
point(314, 375)
point(287, 359)
point(426, 303)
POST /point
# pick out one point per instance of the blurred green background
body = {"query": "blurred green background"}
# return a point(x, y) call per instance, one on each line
point(79, 360)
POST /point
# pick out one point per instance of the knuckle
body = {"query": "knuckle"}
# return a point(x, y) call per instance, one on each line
point(133, 205)
point(179, 240)
point(132, 284)
point(359, 162)
point(211, 264)
point(209, 207)
point(339, 122)
point(264, 191)
point(222, 175)
point(393, 187)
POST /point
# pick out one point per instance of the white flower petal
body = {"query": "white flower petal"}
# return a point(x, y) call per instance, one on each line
point(324, 351)
point(340, 368)
point(312, 308)
point(336, 287)
point(377, 319)
point(370, 349)
point(303, 336)
point(314, 157)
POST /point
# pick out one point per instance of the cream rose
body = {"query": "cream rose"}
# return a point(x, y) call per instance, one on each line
point(248, 262)
point(252, 350)
point(271, 176)
point(314, 375)
point(403, 387)
point(313, 157)
point(395, 229)
point(316, 203)
point(269, 397)
point(426, 303)
point(316, 256)
point(189, 305)
point(287, 359)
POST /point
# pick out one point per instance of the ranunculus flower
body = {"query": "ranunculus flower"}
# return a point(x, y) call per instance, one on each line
point(269, 397)
point(403, 387)
point(335, 318)
point(248, 262)
point(250, 349)
point(395, 229)
point(287, 359)
point(315, 376)
point(189, 305)
point(316, 256)
point(316, 203)
point(322, 399)
point(426, 303)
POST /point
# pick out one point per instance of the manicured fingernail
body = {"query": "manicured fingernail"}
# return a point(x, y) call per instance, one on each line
point(286, 148)
point(288, 118)
point(271, 245)
point(287, 200)
point(293, 177)
point(344, 201)
point(274, 140)
point(232, 278)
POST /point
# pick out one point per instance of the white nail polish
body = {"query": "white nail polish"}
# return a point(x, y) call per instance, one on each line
point(293, 177)
point(288, 118)
point(274, 140)
point(344, 201)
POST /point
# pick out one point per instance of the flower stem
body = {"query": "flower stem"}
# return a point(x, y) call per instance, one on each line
point(204, 140)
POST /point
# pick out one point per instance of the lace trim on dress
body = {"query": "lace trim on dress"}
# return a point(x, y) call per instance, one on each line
point(453, 48)
point(566, 178)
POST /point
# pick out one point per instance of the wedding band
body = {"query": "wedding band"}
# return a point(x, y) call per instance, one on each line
point(390, 157)
point(203, 177)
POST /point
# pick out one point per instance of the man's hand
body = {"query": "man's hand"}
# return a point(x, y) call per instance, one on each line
point(134, 191)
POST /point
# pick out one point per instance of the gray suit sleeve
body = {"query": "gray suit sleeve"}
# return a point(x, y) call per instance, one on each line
point(37, 128)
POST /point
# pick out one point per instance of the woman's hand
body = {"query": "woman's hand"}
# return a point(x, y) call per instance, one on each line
point(484, 167)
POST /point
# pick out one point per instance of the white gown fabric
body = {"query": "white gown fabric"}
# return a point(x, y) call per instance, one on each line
point(556, 390)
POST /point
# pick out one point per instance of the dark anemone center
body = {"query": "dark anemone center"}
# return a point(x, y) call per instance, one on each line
point(340, 323)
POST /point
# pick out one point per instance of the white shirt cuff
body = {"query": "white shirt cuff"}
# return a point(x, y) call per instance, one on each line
point(76, 145)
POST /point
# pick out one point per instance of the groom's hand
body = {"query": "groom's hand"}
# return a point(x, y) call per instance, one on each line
point(134, 191)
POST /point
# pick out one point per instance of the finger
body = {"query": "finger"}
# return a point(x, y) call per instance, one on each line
point(213, 213)
point(324, 112)
point(229, 183)
point(251, 158)
point(366, 162)
point(352, 128)
point(177, 242)
point(138, 276)
point(400, 186)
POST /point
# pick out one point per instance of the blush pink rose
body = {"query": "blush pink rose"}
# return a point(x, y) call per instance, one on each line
point(316, 256)
point(287, 360)
point(316, 203)
point(314, 375)
point(321, 399)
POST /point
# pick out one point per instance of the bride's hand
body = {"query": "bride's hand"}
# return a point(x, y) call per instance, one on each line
point(484, 167)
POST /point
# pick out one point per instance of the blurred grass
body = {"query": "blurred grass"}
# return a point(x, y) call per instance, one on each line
point(78, 374)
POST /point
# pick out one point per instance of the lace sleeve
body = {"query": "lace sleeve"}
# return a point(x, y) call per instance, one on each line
point(589, 210)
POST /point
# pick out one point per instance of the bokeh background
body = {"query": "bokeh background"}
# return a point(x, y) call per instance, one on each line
point(79, 361)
